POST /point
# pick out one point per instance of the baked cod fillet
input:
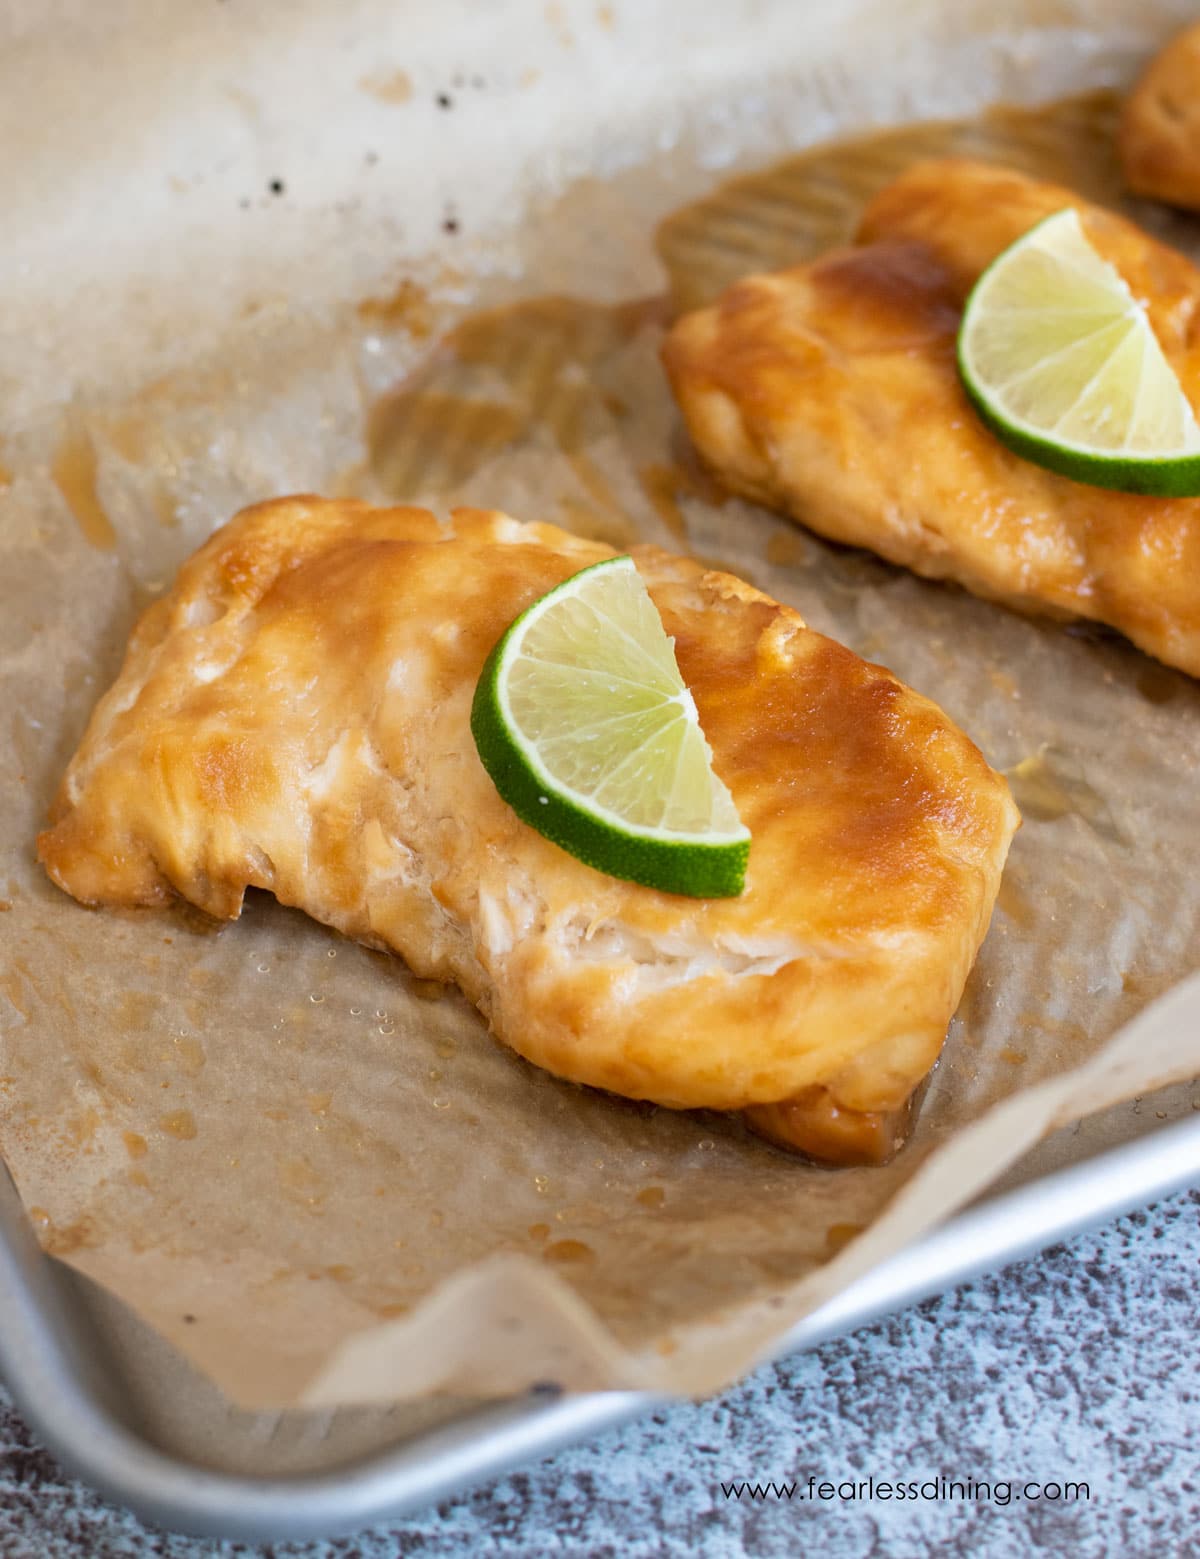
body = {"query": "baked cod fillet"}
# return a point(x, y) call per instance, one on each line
point(1159, 136)
point(830, 391)
point(294, 716)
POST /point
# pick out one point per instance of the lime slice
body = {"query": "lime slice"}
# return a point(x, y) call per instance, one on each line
point(1063, 365)
point(588, 732)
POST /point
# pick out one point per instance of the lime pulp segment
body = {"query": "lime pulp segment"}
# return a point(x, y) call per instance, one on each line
point(588, 731)
point(1062, 363)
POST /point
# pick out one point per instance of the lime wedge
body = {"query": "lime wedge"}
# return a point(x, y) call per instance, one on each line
point(588, 732)
point(1063, 365)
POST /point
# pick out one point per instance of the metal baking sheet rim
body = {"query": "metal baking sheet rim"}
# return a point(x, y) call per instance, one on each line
point(61, 1385)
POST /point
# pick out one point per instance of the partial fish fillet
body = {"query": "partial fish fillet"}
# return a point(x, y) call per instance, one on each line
point(1159, 136)
point(294, 716)
point(830, 391)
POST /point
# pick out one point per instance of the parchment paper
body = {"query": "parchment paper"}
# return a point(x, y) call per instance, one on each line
point(316, 1176)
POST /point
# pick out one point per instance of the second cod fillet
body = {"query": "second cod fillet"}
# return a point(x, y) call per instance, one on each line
point(831, 391)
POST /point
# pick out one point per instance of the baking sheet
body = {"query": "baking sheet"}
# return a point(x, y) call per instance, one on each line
point(317, 1180)
point(122, 1409)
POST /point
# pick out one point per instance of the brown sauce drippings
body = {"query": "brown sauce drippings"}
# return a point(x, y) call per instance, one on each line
point(786, 549)
point(667, 484)
point(1013, 903)
point(795, 209)
point(1159, 684)
point(569, 1251)
point(1049, 785)
point(394, 89)
point(543, 376)
point(74, 470)
point(78, 1235)
point(839, 1235)
point(408, 308)
point(179, 1123)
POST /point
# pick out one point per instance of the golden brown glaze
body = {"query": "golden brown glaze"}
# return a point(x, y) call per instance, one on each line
point(830, 391)
point(966, 213)
point(294, 716)
point(1159, 137)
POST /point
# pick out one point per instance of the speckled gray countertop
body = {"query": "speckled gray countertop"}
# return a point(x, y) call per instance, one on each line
point(1079, 1365)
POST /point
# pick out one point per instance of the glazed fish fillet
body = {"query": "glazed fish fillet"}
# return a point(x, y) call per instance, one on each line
point(1159, 137)
point(294, 716)
point(830, 391)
